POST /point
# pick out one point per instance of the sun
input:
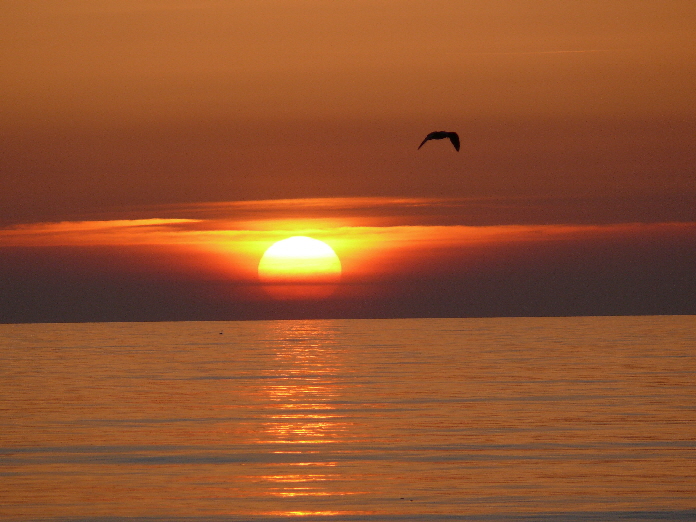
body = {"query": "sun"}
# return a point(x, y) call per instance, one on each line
point(300, 259)
point(300, 267)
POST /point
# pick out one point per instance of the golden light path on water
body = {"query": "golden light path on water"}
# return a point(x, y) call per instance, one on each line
point(303, 392)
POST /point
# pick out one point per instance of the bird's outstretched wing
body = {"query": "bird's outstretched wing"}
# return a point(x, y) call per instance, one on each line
point(454, 138)
point(426, 139)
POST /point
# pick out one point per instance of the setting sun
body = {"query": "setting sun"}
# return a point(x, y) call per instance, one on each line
point(300, 267)
point(300, 259)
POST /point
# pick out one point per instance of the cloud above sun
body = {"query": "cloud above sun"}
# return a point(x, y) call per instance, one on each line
point(385, 247)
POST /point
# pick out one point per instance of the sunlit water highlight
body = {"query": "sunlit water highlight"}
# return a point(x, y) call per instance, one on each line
point(427, 419)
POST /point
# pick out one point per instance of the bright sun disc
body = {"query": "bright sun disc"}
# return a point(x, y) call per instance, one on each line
point(300, 259)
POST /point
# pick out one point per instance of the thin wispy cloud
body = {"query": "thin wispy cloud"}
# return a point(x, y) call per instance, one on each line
point(566, 51)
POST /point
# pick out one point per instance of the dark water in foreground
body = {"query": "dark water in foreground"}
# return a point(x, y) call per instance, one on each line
point(428, 419)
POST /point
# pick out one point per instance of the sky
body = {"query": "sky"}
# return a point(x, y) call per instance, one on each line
point(152, 150)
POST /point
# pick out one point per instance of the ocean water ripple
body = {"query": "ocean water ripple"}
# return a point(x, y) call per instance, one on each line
point(576, 419)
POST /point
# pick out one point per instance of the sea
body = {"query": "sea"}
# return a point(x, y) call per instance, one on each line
point(511, 419)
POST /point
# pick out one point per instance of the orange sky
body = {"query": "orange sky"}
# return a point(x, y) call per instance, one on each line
point(574, 116)
point(115, 102)
point(135, 61)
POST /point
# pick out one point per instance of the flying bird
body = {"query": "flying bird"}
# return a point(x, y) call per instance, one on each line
point(439, 135)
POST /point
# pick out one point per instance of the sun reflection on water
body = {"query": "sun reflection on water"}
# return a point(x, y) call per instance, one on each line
point(302, 416)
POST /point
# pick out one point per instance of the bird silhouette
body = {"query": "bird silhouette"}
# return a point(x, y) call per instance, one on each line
point(439, 135)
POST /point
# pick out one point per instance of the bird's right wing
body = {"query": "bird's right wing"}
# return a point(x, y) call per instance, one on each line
point(426, 139)
point(454, 138)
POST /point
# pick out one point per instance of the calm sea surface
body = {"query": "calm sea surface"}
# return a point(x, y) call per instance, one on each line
point(426, 419)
